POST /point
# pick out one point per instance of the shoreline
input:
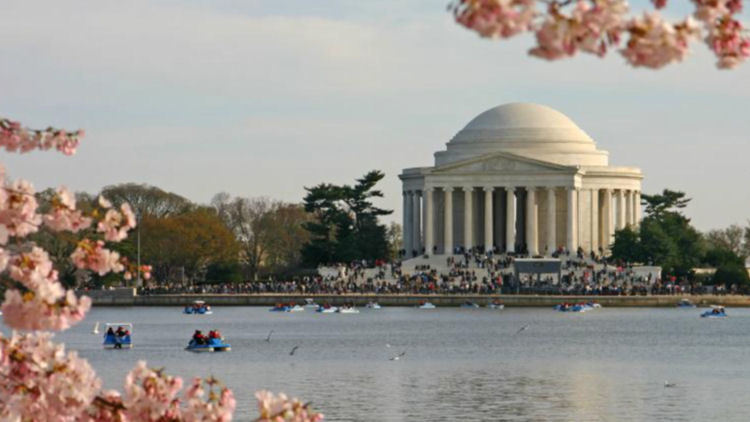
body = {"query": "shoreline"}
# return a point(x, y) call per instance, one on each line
point(128, 297)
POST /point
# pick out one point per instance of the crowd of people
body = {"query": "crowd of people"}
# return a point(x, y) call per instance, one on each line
point(471, 272)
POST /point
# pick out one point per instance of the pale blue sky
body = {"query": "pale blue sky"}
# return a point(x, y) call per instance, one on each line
point(263, 98)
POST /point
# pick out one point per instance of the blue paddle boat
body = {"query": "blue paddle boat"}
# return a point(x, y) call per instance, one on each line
point(685, 303)
point(212, 345)
point(198, 307)
point(120, 338)
point(280, 307)
point(327, 309)
point(567, 307)
point(715, 312)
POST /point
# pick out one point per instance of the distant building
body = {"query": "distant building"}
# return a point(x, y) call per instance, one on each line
point(518, 176)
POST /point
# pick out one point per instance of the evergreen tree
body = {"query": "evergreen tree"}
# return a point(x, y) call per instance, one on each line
point(346, 225)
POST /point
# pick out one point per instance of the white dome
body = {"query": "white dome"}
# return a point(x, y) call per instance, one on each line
point(531, 130)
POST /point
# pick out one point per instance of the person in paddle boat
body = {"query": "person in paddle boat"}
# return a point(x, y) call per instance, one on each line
point(199, 338)
point(120, 333)
point(717, 311)
point(110, 332)
point(214, 334)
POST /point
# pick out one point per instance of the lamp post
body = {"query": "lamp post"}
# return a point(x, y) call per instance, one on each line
point(138, 249)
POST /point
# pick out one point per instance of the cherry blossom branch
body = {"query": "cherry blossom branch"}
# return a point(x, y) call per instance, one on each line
point(15, 138)
point(595, 26)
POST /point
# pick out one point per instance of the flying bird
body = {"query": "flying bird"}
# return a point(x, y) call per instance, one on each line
point(522, 328)
point(294, 349)
point(268, 339)
point(398, 356)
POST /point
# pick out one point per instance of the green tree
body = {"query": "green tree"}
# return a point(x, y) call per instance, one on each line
point(665, 238)
point(345, 222)
point(147, 200)
point(187, 244)
point(627, 245)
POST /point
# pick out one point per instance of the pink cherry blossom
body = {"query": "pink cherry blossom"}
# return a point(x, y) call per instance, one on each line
point(279, 408)
point(32, 268)
point(106, 407)
point(495, 18)
point(34, 310)
point(104, 202)
point(215, 408)
point(64, 215)
point(590, 28)
point(729, 44)
point(14, 137)
point(151, 395)
point(18, 208)
point(709, 11)
point(40, 382)
point(94, 256)
point(655, 43)
point(116, 224)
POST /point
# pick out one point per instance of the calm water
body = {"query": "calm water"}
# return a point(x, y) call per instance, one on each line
point(465, 364)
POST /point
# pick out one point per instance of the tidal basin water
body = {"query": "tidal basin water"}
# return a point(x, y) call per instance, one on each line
point(460, 364)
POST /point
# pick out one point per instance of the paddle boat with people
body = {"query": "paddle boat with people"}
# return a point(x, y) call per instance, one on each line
point(310, 303)
point(425, 305)
point(469, 305)
point(496, 304)
point(716, 311)
point(326, 309)
point(295, 308)
point(685, 303)
point(347, 309)
point(571, 307)
point(198, 307)
point(213, 342)
point(372, 305)
point(119, 338)
point(280, 307)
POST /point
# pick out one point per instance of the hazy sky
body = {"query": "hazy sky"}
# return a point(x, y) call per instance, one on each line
point(263, 98)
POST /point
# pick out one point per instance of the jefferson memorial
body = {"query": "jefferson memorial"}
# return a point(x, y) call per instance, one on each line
point(519, 177)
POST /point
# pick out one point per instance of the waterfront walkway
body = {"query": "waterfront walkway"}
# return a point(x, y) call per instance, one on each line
point(128, 297)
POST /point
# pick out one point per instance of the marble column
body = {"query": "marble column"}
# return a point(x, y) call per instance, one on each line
point(416, 227)
point(531, 224)
point(594, 195)
point(628, 208)
point(406, 225)
point(620, 210)
point(488, 231)
point(551, 220)
point(510, 219)
point(448, 222)
point(571, 221)
point(429, 239)
point(637, 208)
point(607, 232)
point(468, 218)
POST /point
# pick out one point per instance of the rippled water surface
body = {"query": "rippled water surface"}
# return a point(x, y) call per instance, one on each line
point(466, 364)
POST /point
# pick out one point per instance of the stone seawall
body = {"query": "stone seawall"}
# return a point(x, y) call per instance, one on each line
point(128, 297)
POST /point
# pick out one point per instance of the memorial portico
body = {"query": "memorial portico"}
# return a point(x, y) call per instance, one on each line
point(518, 178)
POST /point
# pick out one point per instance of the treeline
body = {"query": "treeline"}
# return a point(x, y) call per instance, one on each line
point(235, 239)
point(666, 238)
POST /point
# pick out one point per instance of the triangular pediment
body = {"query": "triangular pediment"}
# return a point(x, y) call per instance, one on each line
point(503, 163)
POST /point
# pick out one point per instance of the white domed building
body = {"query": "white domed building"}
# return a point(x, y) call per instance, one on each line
point(518, 177)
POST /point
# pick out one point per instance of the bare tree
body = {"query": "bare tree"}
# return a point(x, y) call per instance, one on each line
point(733, 238)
